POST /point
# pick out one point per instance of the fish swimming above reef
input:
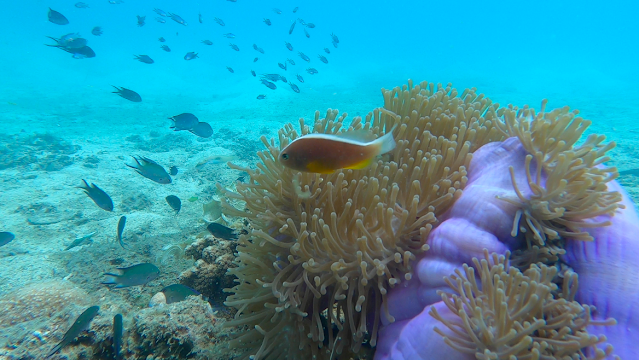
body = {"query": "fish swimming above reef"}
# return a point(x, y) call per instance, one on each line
point(97, 31)
point(57, 18)
point(141, 21)
point(300, 78)
point(269, 84)
point(84, 52)
point(127, 94)
point(326, 153)
point(312, 71)
point(335, 39)
point(173, 170)
point(290, 30)
point(214, 160)
point(150, 170)
point(207, 42)
point(69, 41)
point(6, 237)
point(118, 330)
point(161, 39)
point(267, 22)
point(322, 59)
point(161, 12)
point(160, 20)
point(82, 240)
point(234, 47)
point(190, 56)
point(165, 48)
point(177, 19)
point(230, 69)
point(174, 202)
point(202, 129)
point(178, 292)
point(118, 236)
point(144, 58)
point(134, 275)
point(261, 97)
point(229, 35)
point(221, 231)
point(303, 56)
point(184, 121)
point(81, 5)
point(79, 325)
point(288, 45)
point(295, 88)
point(99, 197)
point(219, 21)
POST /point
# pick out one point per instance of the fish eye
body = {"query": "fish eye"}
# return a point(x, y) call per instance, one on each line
point(285, 156)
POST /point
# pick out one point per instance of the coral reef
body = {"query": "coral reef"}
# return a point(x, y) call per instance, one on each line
point(38, 152)
point(209, 274)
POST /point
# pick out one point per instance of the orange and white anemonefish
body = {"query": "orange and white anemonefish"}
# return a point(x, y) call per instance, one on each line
point(326, 153)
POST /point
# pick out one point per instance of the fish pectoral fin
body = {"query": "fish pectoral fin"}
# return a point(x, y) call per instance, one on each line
point(318, 167)
point(361, 165)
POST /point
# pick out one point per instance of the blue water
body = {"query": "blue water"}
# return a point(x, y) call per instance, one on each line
point(583, 54)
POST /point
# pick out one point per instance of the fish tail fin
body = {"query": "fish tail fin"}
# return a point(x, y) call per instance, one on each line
point(386, 143)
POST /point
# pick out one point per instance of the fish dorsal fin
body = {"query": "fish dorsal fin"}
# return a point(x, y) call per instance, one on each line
point(360, 136)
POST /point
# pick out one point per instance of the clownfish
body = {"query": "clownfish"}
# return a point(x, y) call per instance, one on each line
point(326, 153)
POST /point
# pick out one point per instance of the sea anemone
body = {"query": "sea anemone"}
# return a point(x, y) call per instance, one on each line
point(514, 315)
point(313, 274)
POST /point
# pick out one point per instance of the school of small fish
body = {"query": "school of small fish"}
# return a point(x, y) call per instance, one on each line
point(76, 45)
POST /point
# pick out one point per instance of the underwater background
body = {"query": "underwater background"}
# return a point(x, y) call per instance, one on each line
point(61, 123)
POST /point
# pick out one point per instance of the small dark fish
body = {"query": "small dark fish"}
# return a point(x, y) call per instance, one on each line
point(221, 231)
point(97, 31)
point(99, 197)
point(79, 325)
point(302, 22)
point(229, 35)
point(277, 11)
point(282, 66)
point(290, 30)
point(295, 9)
point(230, 69)
point(219, 21)
point(141, 20)
point(121, 225)
point(190, 55)
point(327, 50)
point(334, 44)
point(150, 170)
point(174, 202)
point(160, 12)
point(291, 61)
point(69, 41)
point(312, 71)
point(283, 78)
point(267, 22)
point(177, 19)
point(295, 88)
point(271, 77)
point(178, 292)
point(165, 48)
point(253, 73)
point(6, 237)
point(310, 25)
point(144, 58)
point(323, 59)
point(255, 60)
point(304, 57)
point(184, 121)
point(289, 46)
point(258, 49)
point(307, 34)
point(118, 330)
point(261, 97)
point(269, 84)
point(57, 18)
point(300, 78)
point(161, 39)
point(207, 42)
point(84, 52)
point(234, 47)
point(160, 20)
point(199, 18)
point(335, 38)
point(81, 5)
point(202, 129)
point(173, 170)
point(127, 94)
point(139, 274)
